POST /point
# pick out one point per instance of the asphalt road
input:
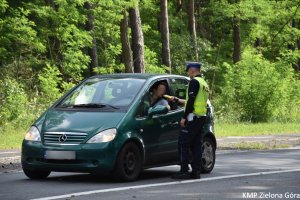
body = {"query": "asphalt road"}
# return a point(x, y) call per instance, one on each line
point(237, 175)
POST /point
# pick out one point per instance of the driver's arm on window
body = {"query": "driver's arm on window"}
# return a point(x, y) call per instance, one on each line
point(165, 103)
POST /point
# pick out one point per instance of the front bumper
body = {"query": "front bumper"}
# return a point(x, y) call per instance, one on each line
point(92, 158)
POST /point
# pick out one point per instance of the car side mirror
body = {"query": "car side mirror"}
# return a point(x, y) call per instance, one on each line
point(157, 110)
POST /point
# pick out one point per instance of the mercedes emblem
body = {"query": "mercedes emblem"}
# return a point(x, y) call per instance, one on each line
point(62, 138)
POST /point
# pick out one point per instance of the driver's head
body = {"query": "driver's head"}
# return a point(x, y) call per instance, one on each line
point(159, 89)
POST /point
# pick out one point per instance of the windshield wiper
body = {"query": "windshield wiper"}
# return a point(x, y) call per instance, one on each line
point(94, 105)
point(108, 105)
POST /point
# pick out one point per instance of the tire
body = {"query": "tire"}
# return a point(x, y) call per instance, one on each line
point(36, 174)
point(208, 155)
point(129, 163)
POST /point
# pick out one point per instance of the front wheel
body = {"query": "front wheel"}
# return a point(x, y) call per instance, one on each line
point(36, 174)
point(129, 163)
point(208, 155)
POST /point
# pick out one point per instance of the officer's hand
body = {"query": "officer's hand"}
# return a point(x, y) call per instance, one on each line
point(182, 122)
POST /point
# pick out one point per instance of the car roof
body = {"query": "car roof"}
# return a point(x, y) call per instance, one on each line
point(137, 76)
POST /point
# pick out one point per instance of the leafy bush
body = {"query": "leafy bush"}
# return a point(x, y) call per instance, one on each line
point(151, 63)
point(49, 81)
point(257, 90)
point(13, 100)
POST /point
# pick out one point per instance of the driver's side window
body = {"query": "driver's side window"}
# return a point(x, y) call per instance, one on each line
point(154, 97)
point(179, 87)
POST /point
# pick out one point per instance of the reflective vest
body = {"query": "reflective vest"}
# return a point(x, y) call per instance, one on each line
point(200, 104)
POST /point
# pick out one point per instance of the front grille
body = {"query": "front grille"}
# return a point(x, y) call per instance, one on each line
point(64, 138)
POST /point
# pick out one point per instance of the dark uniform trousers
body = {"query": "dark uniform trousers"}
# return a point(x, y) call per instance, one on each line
point(190, 138)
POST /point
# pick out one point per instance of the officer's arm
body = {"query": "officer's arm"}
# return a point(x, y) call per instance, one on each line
point(181, 101)
point(192, 93)
point(174, 99)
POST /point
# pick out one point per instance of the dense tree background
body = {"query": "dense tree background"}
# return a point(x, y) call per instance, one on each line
point(249, 48)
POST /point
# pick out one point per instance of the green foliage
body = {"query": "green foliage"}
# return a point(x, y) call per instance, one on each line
point(3, 6)
point(18, 39)
point(151, 62)
point(110, 69)
point(13, 100)
point(107, 35)
point(180, 53)
point(64, 35)
point(44, 52)
point(257, 90)
point(49, 81)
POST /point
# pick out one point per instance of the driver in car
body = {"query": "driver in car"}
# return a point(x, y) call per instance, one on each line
point(158, 90)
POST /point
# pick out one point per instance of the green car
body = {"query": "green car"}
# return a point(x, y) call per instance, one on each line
point(106, 125)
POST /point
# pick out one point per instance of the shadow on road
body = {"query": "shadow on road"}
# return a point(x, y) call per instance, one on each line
point(147, 175)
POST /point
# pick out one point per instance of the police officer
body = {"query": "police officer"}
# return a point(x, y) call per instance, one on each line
point(192, 122)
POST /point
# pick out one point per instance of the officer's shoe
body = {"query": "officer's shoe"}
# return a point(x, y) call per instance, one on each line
point(181, 175)
point(195, 175)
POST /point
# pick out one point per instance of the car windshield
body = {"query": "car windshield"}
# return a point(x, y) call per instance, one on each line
point(103, 93)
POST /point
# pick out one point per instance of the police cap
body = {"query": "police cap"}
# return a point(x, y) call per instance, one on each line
point(193, 64)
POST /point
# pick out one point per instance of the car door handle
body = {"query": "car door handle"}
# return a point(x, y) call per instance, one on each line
point(163, 125)
point(174, 123)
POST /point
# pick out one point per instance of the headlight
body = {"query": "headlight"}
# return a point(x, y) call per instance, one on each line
point(104, 136)
point(33, 134)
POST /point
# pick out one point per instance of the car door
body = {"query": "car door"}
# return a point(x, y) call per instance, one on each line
point(158, 133)
point(178, 87)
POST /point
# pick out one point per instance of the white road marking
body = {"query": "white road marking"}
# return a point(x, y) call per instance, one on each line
point(163, 184)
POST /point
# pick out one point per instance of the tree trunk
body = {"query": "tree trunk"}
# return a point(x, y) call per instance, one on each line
point(126, 49)
point(92, 51)
point(165, 37)
point(297, 68)
point(54, 44)
point(178, 6)
point(137, 40)
point(294, 47)
point(52, 4)
point(192, 27)
point(199, 28)
point(236, 40)
point(257, 42)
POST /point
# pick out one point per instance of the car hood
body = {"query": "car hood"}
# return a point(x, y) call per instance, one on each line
point(80, 121)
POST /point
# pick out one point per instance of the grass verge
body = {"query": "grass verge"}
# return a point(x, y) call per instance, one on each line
point(11, 137)
point(248, 129)
point(260, 146)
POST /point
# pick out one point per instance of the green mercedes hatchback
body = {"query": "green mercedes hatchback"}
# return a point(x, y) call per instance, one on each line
point(106, 125)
